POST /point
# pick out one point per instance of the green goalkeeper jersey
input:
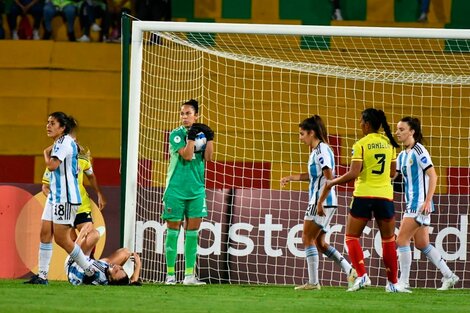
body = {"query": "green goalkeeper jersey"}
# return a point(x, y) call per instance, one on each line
point(185, 179)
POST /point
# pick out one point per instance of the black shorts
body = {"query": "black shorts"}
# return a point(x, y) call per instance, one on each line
point(82, 218)
point(362, 208)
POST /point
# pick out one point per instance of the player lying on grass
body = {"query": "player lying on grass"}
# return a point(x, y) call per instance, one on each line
point(108, 270)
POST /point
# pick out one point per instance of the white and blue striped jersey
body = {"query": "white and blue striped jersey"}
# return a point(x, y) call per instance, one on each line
point(76, 275)
point(413, 165)
point(320, 158)
point(64, 187)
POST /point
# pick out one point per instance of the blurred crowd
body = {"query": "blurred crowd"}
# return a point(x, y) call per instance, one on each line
point(100, 16)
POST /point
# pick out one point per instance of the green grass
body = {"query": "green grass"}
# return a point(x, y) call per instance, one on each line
point(62, 297)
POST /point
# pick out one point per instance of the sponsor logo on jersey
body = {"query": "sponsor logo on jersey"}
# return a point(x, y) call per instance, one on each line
point(321, 160)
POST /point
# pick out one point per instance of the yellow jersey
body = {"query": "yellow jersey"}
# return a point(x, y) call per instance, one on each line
point(84, 165)
point(376, 154)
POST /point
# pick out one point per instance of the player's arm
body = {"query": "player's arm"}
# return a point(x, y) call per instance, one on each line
point(294, 177)
point(94, 184)
point(431, 172)
point(45, 189)
point(208, 153)
point(353, 173)
point(328, 173)
point(137, 267)
point(187, 152)
point(52, 162)
point(393, 169)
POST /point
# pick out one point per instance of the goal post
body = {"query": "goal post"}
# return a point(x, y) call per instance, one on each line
point(255, 83)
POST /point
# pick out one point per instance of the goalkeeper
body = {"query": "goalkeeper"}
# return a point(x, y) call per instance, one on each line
point(191, 145)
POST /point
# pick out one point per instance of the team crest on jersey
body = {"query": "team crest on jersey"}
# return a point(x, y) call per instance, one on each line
point(177, 139)
point(411, 162)
point(424, 160)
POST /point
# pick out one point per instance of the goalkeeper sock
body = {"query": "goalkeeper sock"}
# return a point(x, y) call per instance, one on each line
point(334, 255)
point(45, 255)
point(404, 258)
point(311, 253)
point(356, 255)
point(435, 257)
point(389, 251)
point(190, 251)
point(171, 244)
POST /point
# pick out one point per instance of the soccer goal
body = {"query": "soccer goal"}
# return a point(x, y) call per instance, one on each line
point(255, 83)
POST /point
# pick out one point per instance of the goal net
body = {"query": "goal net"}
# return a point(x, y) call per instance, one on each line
point(255, 83)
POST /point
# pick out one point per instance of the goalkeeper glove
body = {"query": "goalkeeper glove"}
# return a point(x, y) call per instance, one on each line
point(208, 132)
point(192, 132)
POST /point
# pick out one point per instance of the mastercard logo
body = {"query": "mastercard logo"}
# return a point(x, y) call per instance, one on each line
point(20, 227)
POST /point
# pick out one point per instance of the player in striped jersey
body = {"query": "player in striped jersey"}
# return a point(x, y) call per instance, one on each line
point(83, 217)
point(420, 180)
point(107, 271)
point(372, 167)
point(62, 160)
point(321, 166)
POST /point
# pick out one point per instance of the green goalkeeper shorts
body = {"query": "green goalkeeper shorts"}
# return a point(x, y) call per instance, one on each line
point(177, 209)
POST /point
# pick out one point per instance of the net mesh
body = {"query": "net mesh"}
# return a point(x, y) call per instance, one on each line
point(253, 91)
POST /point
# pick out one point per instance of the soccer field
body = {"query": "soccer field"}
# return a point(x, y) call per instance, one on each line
point(62, 297)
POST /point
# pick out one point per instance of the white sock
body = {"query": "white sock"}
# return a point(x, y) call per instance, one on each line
point(334, 255)
point(435, 257)
point(79, 257)
point(404, 259)
point(312, 264)
point(45, 255)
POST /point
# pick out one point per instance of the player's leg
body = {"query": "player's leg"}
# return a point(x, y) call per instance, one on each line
point(91, 238)
point(196, 209)
point(384, 213)
point(310, 233)
point(408, 228)
point(45, 247)
point(421, 239)
point(63, 218)
point(359, 214)
point(354, 228)
point(173, 213)
point(334, 255)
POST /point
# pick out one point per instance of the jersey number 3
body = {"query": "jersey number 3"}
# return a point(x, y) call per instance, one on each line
point(380, 160)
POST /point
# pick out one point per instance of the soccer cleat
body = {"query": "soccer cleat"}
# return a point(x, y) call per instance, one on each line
point(448, 283)
point(170, 280)
point(36, 280)
point(351, 277)
point(404, 285)
point(360, 283)
point(193, 281)
point(308, 286)
point(390, 287)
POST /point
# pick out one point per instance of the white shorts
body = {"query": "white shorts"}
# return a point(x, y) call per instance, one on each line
point(47, 212)
point(64, 213)
point(322, 221)
point(421, 219)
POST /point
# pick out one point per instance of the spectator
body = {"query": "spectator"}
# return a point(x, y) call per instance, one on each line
point(89, 11)
point(423, 17)
point(65, 7)
point(2, 10)
point(336, 11)
point(115, 9)
point(153, 10)
point(24, 7)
